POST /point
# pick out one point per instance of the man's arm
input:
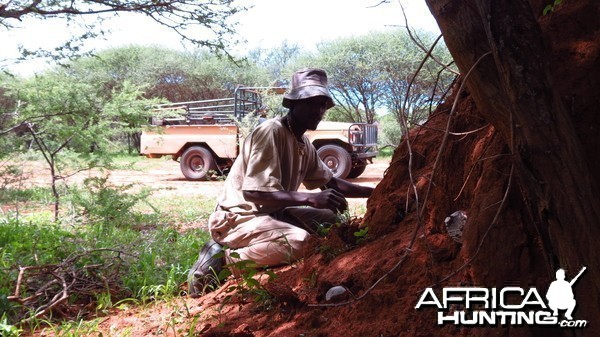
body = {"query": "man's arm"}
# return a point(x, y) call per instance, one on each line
point(332, 198)
point(328, 199)
point(349, 189)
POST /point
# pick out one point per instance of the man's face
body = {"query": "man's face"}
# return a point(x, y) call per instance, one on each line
point(310, 111)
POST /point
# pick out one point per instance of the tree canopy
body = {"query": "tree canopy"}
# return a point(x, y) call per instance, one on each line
point(379, 72)
point(203, 23)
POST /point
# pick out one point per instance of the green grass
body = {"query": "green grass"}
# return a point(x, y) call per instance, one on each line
point(150, 264)
point(142, 244)
point(385, 153)
point(36, 194)
point(182, 210)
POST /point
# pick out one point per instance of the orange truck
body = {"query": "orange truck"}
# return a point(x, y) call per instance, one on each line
point(204, 136)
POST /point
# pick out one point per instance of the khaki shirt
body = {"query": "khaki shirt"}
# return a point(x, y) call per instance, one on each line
point(272, 160)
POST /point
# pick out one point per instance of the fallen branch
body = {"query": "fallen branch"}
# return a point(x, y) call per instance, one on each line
point(50, 286)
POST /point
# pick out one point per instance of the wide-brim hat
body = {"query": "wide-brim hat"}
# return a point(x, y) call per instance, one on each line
point(307, 83)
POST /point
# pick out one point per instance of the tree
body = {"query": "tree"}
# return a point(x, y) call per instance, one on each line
point(276, 60)
point(355, 80)
point(417, 79)
point(173, 75)
point(64, 115)
point(372, 73)
point(204, 23)
point(529, 80)
point(391, 132)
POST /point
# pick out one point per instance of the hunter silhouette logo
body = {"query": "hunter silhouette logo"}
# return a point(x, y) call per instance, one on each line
point(478, 306)
point(560, 294)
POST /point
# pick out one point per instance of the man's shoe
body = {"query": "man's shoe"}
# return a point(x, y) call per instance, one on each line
point(203, 276)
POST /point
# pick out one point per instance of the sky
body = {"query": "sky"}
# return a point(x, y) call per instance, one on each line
point(267, 24)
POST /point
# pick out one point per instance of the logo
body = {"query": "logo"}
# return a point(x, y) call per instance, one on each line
point(477, 306)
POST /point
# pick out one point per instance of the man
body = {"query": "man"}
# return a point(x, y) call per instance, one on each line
point(260, 215)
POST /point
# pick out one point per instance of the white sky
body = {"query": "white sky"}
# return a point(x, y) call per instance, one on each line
point(267, 24)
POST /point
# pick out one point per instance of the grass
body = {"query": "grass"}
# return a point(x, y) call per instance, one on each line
point(139, 243)
point(35, 194)
point(182, 210)
point(138, 163)
point(385, 153)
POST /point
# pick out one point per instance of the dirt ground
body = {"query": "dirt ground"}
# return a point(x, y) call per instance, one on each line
point(164, 177)
point(167, 179)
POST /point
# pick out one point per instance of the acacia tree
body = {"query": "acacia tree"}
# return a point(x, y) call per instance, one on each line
point(373, 72)
point(173, 75)
point(276, 60)
point(416, 79)
point(63, 115)
point(539, 91)
point(355, 80)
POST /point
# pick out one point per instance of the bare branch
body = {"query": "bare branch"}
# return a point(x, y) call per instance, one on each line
point(20, 125)
point(51, 285)
point(422, 47)
point(190, 19)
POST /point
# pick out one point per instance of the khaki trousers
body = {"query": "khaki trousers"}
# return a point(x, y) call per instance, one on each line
point(268, 240)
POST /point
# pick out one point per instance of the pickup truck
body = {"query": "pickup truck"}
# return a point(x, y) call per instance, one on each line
point(204, 136)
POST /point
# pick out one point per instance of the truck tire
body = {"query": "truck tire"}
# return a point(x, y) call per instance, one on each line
point(357, 170)
point(337, 159)
point(197, 163)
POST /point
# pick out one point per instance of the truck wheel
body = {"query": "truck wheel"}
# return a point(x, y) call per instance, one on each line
point(196, 163)
point(357, 170)
point(337, 159)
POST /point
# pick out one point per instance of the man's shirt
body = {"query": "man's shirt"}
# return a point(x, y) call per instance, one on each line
point(272, 159)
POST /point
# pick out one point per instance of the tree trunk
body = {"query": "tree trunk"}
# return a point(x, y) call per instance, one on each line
point(516, 90)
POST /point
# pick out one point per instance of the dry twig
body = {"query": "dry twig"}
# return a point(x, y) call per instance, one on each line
point(41, 289)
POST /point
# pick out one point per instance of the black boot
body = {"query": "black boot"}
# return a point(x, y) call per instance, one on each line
point(203, 277)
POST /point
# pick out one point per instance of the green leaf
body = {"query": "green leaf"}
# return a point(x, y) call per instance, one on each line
point(223, 274)
point(252, 283)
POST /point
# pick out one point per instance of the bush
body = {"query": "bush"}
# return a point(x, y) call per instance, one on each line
point(391, 133)
point(101, 203)
point(116, 253)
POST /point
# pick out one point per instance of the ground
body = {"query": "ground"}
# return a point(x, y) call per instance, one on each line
point(405, 251)
point(165, 179)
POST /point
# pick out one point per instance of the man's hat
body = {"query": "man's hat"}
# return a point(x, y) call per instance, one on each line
point(306, 83)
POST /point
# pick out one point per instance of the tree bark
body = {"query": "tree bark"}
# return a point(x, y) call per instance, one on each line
point(515, 91)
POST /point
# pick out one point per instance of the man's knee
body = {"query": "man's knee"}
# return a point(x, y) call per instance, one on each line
point(296, 241)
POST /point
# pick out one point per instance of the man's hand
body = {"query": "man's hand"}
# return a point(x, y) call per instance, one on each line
point(329, 199)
